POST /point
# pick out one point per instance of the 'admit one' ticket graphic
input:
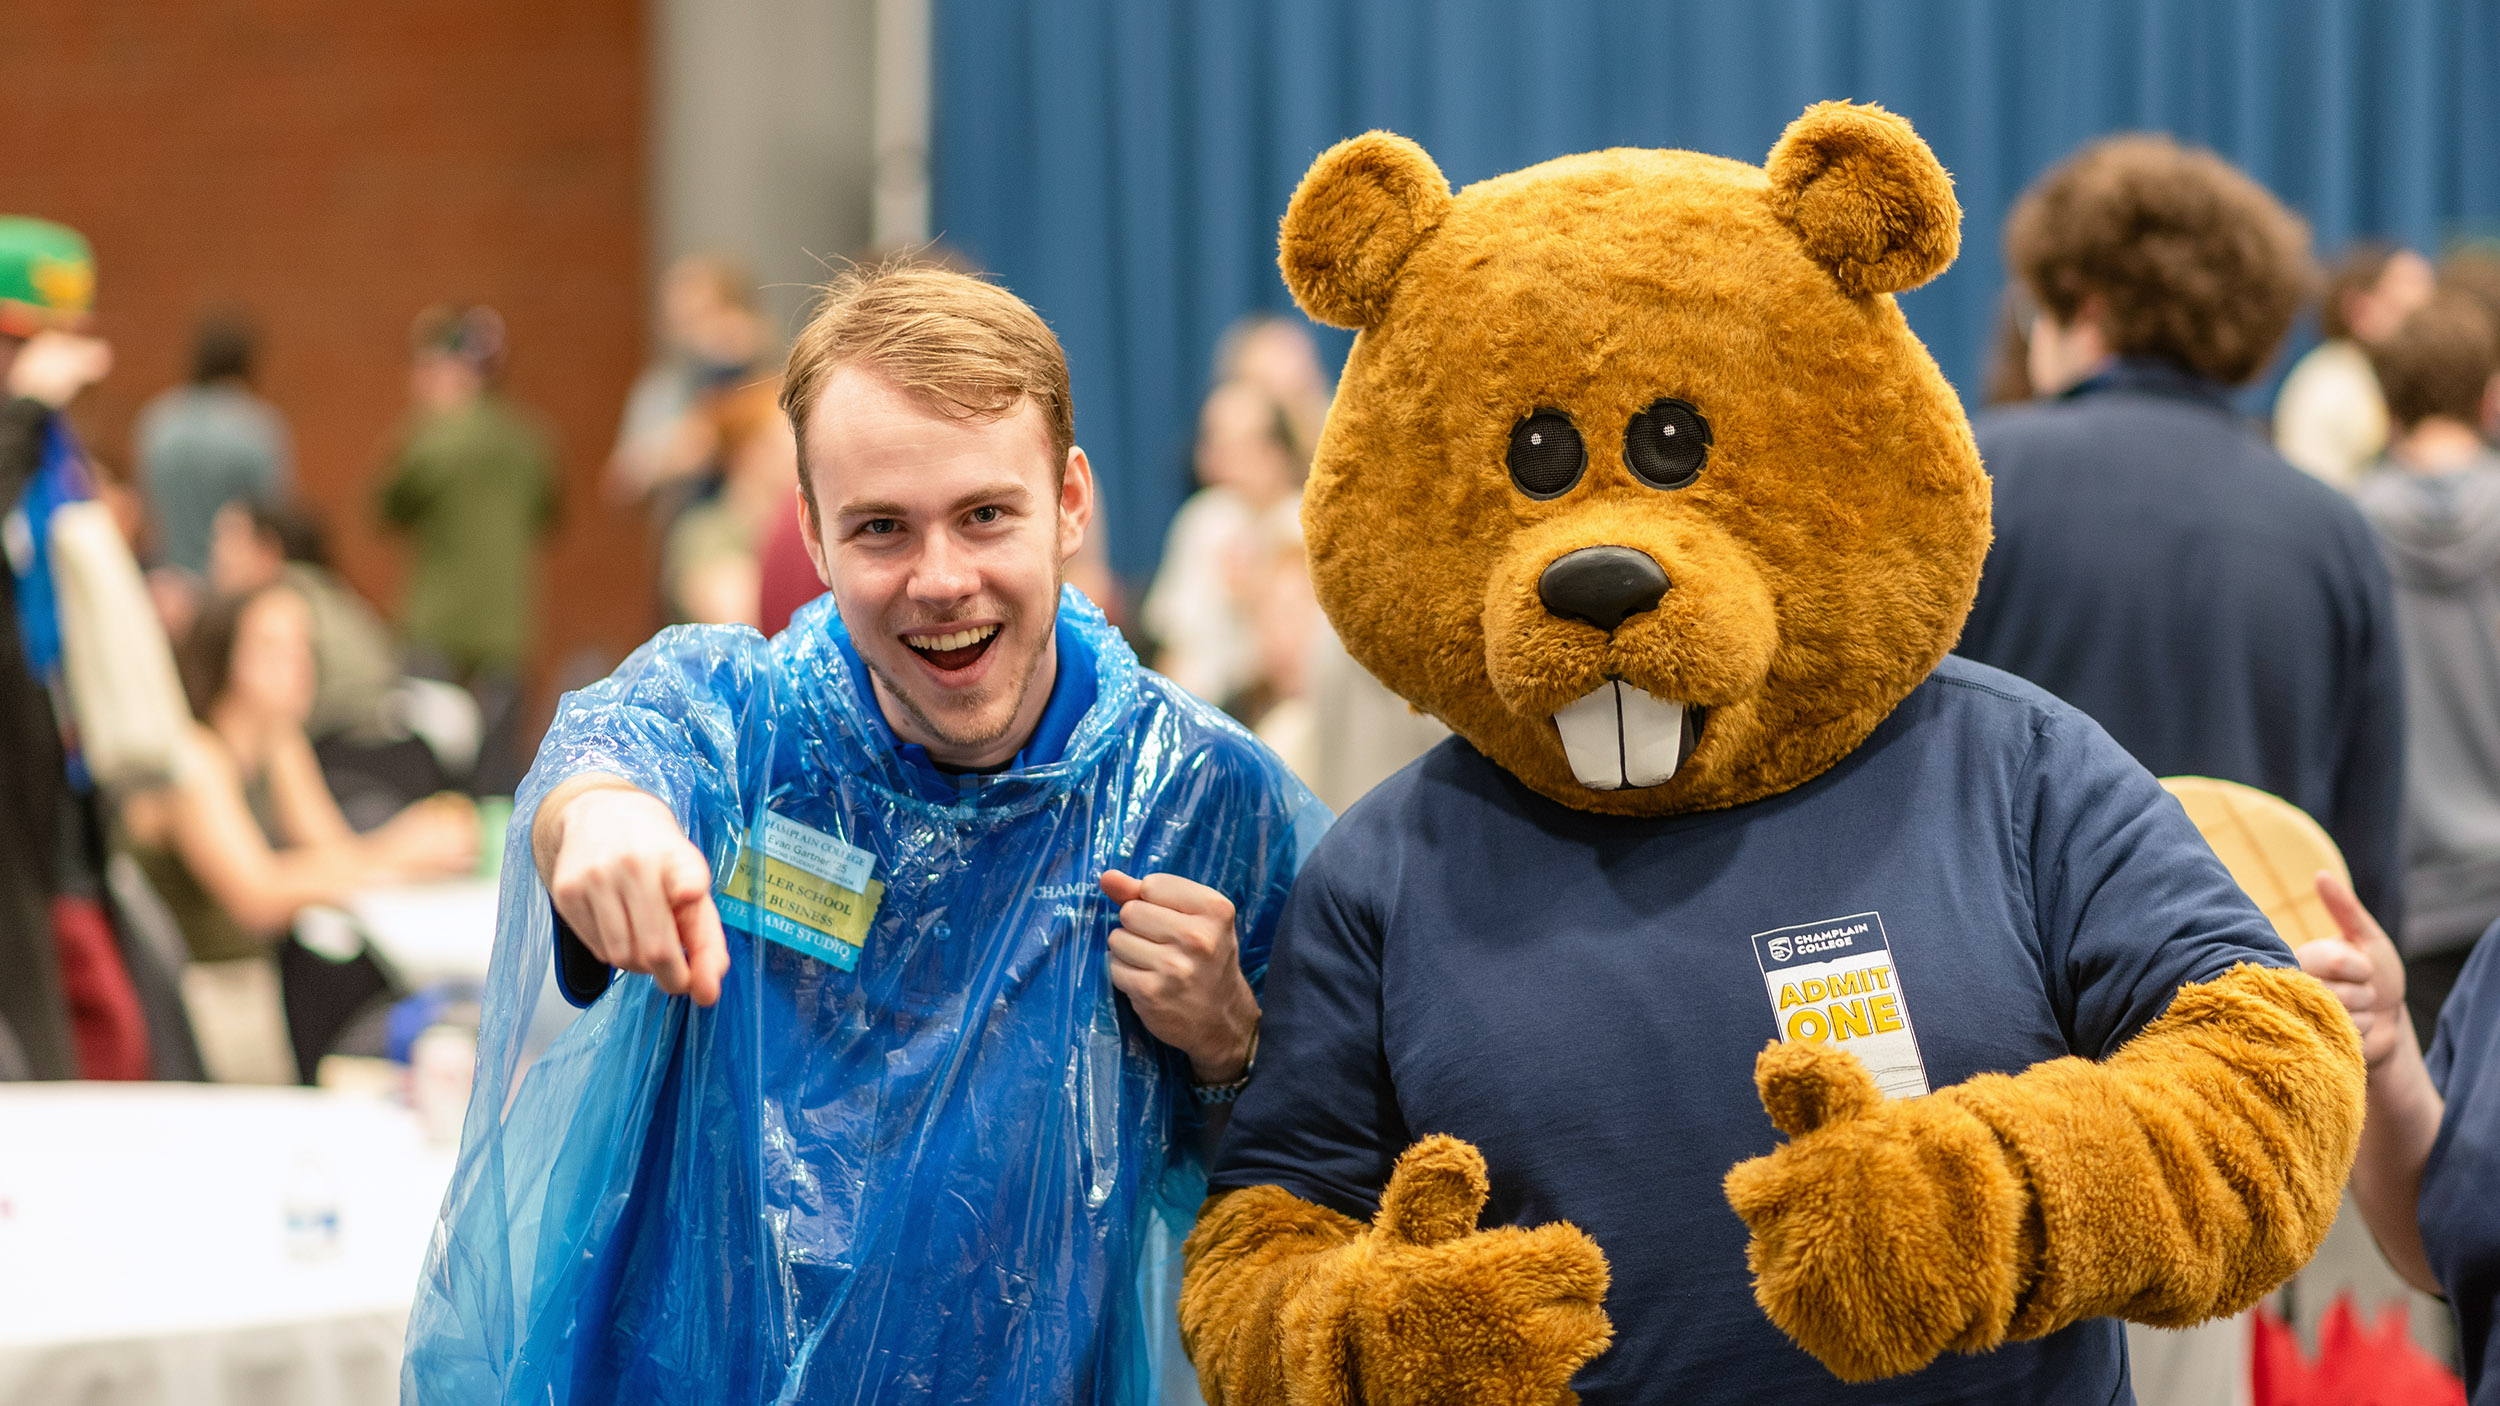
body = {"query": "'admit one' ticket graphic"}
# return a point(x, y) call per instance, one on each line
point(1835, 980)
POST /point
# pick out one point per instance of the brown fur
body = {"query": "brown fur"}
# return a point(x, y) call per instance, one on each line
point(1865, 198)
point(1819, 568)
point(2179, 1180)
point(1287, 1302)
point(1823, 562)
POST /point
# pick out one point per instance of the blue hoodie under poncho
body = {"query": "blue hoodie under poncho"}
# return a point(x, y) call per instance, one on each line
point(958, 1170)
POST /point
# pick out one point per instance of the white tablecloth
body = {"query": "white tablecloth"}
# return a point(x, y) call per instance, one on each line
point(171, 1245)
point(431, 932)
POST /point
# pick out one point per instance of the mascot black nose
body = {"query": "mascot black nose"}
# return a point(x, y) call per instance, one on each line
point(1604, 586)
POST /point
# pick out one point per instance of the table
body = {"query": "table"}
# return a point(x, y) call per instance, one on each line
point(197, 1245)
point(441, 931)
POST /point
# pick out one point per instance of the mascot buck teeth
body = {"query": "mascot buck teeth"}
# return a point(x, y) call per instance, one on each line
point(1748, 994)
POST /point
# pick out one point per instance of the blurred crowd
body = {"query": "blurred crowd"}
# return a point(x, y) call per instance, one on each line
point(2395, 407)
point(2306, 601)
point(220, 743)
point(207, 732)
point(294, 743)
point(2399, 407)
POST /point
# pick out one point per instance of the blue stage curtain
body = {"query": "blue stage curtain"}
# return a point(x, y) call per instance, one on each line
point(1122, 164)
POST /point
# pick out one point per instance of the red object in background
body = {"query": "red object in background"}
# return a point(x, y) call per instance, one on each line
point(105, 1022)
point(789, 578)
point(2378, 1365)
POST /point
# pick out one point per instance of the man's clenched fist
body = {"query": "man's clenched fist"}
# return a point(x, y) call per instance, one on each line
point(635, 889)
point(1175, 957)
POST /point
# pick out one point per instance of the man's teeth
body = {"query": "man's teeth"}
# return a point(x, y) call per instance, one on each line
point(1621, 736)
point(961, 639)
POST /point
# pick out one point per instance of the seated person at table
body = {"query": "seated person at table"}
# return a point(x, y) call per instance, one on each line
point(247, 834)
point(383, 739)
point(355, 659)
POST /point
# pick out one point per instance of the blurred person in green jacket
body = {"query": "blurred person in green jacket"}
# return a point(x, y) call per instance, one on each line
point(474, 485)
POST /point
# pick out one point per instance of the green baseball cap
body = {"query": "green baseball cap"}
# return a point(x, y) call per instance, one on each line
point(47, 276)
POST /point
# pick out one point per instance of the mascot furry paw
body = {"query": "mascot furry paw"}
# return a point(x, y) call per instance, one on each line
point(1347, 1300)
point(1638, 480)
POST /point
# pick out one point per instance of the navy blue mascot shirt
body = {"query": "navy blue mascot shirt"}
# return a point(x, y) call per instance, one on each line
point(1986, 883)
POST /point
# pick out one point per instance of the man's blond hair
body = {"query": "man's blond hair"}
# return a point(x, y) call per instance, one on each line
point(961, 346)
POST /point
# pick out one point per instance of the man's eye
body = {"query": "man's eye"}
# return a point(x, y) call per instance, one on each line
point(987, 514)
point(881, 527)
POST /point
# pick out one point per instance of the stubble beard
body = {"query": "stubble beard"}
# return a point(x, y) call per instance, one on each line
point(1006, 724)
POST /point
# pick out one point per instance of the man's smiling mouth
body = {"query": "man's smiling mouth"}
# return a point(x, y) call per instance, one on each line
point(955, 650)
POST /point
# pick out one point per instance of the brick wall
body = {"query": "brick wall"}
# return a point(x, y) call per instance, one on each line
point(333, 167)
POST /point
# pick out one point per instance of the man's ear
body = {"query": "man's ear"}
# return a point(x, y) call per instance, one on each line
point(1363, 207)
point(1076, 503)
point(1866, 197)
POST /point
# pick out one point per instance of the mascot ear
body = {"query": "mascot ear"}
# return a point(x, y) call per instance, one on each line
point(1364, 206)
point(1866, 197)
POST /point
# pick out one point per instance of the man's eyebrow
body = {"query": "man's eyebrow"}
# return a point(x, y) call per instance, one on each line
point(991, 493)
point(986, 493)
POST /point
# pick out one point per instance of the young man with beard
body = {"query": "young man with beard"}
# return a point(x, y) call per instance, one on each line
point(969, 907)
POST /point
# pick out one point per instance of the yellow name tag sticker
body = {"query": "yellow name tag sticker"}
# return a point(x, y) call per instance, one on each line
point(1836, 981)
point(804, 889)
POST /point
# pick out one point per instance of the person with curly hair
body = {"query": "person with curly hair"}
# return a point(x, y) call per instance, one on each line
point(2157, 563)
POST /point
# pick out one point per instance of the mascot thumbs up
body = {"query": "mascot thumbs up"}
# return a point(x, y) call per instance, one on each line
point(1345, 1297)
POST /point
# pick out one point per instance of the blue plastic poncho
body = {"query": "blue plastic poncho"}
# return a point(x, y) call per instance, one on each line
point(957, 1171)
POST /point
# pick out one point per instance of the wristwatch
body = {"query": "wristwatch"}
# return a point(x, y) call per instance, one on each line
point(1230, 1089)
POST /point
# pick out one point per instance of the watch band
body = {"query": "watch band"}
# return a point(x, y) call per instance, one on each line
point(1230, 1089)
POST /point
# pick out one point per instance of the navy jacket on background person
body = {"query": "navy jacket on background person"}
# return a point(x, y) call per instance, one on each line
point(2218, 611)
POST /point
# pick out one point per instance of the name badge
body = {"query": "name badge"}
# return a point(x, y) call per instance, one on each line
point(803, 888)
point(1836, 981)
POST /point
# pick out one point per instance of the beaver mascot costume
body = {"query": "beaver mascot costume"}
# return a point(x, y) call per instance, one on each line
point(1749, 995)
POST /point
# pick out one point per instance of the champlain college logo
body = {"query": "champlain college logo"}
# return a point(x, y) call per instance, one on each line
point(1780, 949)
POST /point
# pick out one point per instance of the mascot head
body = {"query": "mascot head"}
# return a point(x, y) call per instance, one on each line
point(1636, 477)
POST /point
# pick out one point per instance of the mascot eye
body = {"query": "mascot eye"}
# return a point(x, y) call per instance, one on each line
point(1666, 444)
point(1546, 456)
